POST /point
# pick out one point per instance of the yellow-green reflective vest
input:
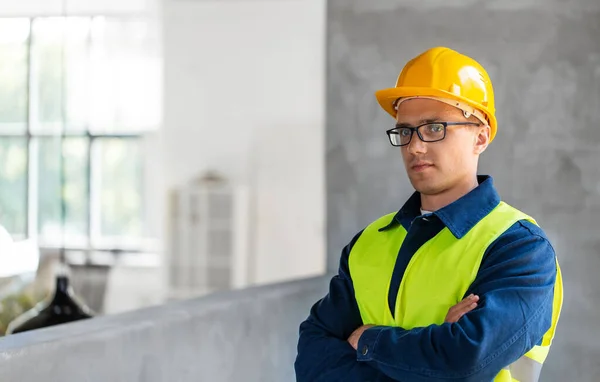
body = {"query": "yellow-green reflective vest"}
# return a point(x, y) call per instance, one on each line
point(437, 278)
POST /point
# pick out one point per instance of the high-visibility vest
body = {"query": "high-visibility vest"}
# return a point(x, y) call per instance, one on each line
point(437, 278)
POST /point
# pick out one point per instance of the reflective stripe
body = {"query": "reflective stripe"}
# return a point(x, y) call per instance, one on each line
point(538, 353)
point(526, 369)
point(556, 307)
point(504, 376)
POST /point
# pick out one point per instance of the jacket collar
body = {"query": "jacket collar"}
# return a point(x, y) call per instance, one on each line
point(460, 216)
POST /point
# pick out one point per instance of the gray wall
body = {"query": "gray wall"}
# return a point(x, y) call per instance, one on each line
point(544, 60)
point(247, 335)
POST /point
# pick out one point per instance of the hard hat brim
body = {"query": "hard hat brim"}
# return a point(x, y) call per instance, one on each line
point(387, 97)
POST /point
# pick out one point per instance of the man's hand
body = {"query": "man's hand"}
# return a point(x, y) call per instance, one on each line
point(465, 306)
point(355, 336)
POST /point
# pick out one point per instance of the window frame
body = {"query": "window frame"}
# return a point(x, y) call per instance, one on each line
point(95, 241)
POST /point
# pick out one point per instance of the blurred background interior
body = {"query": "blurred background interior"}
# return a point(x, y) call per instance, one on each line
point(168, 149)
point(230, 194)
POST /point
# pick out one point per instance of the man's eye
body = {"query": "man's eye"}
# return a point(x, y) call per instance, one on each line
point(405, 132)
point(436, 128)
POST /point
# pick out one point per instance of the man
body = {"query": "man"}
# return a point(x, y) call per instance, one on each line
point(457, 285)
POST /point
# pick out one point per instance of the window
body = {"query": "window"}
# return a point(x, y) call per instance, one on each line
point(76, 96)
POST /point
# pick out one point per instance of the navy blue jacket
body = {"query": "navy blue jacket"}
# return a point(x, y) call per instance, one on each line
point(515, 284)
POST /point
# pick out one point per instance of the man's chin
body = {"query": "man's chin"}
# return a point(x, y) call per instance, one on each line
point(426, 186)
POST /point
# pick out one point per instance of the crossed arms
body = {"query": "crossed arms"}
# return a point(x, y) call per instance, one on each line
point(515, 284)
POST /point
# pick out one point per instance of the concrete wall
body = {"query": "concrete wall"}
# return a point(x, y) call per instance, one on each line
point(248, 335)
point(544, 60)
point(244, 96)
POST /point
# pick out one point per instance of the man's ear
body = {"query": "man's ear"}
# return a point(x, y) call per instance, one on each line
point(482, 139)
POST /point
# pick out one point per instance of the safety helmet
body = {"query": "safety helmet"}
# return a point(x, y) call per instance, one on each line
point(446, 75)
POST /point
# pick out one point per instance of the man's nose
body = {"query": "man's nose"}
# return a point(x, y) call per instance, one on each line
point(416, 145)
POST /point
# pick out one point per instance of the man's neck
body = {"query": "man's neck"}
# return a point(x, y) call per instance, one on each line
point(438, 201)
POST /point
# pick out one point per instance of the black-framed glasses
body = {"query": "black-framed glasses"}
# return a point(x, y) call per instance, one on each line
point(427, 132)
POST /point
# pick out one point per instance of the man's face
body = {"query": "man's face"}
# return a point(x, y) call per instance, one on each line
point(434, 167)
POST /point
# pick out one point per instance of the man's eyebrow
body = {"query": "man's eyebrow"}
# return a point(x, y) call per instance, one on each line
point(422, 121)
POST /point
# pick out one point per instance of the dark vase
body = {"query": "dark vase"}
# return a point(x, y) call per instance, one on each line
point(62, 308)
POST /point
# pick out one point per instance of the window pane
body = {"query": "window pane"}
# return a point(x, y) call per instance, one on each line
point(121, 190)
point(60, 71)
point(78, 73)
point(126, 76)
point(47, 71)
point(13, 184)
point(75, 191)
point(14, 34)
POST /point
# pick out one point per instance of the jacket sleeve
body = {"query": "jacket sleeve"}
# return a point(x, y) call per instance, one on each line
point(323, 351)
point(515, 284)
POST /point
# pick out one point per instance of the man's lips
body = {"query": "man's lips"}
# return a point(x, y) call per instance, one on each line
point(421, 166)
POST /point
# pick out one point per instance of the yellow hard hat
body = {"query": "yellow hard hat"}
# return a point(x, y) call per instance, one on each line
point(448, 75)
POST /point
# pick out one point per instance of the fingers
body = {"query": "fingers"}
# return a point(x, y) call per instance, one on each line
point(468, 303)
point(465, 306)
